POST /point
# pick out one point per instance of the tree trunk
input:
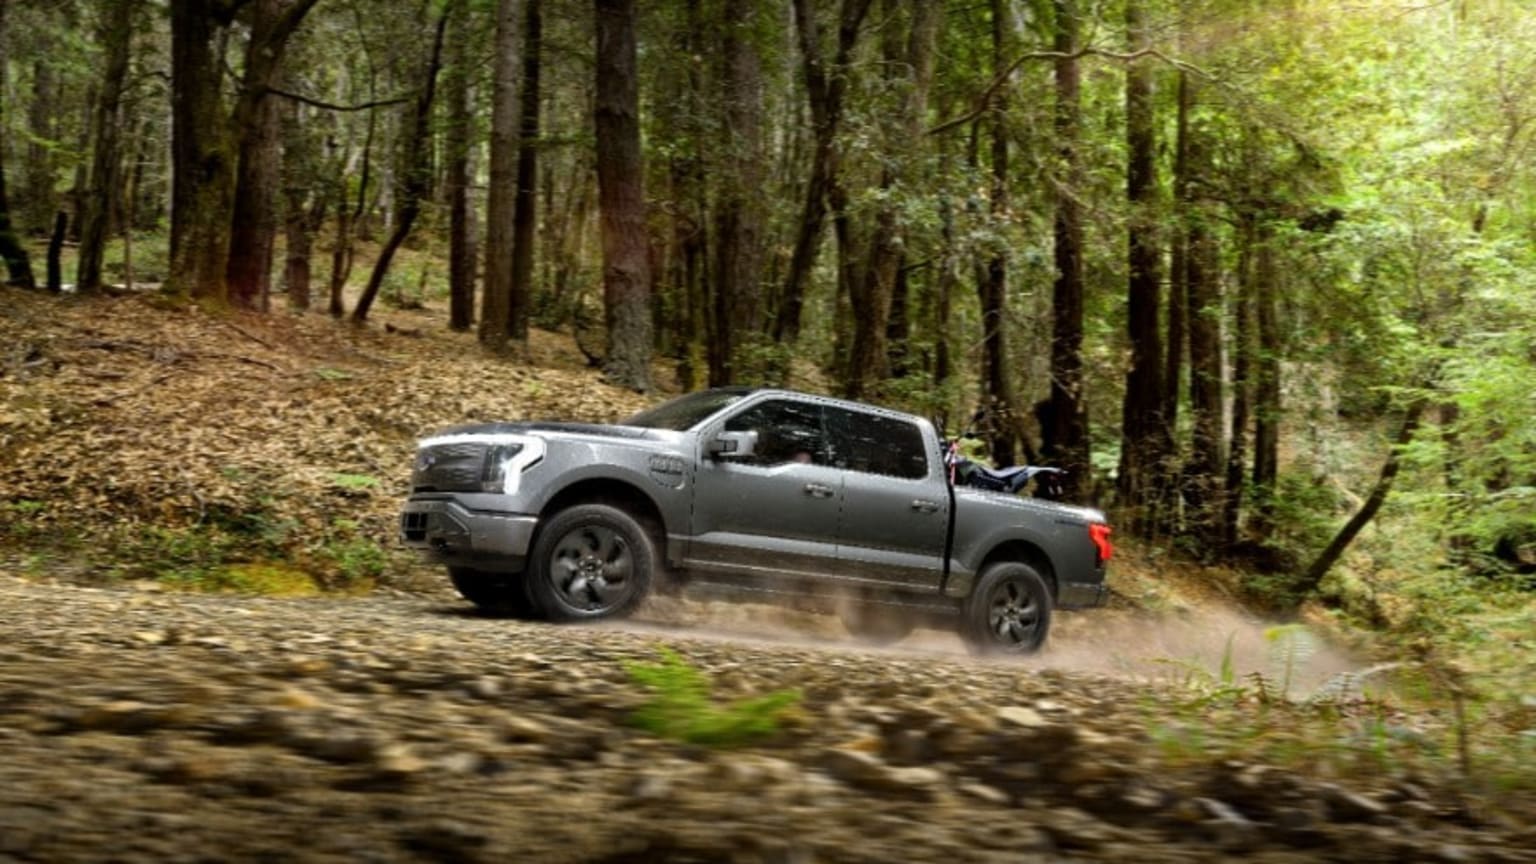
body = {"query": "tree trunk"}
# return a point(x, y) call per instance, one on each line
point(203, 159)
point(56, 250)
point(1242, 364)
point(738, 215)
point(258, 130)
point(348, 215)
point(501, 202)
point(1335, 549)
point(43, 122)
point(680, 111)
point(461, 260)
point(1167, 482)
point(1066, 426)
point(1202, 479)
point(417, 171)
point(944, 290)
point(626, 261)
point(116, 34)
point(824, 90)
point(871, 295)
point(525, 208)
point(1144, 442)
point(17, 265)
point(1267, 409)
point(996, 385)
point(306, 209)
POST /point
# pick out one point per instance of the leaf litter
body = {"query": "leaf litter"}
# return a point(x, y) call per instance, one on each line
point(121, 411)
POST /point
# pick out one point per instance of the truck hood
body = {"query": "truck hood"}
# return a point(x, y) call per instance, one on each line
point(547, 429)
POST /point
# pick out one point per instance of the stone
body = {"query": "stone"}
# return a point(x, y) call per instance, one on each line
point(1225, 826)
point(1347, 806)
point(1017, 716)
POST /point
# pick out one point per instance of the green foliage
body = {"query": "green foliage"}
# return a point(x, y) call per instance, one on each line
point(355, 481)
point(347, 560)
point(681, 706)
point(1290, 645)
point(18, 519)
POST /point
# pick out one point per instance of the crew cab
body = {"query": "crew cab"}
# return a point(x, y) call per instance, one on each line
point(760, 493)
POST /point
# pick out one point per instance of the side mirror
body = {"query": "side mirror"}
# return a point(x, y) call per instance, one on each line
point(733, 445)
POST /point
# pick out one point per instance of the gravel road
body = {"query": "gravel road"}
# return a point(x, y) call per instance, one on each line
point(142, 726)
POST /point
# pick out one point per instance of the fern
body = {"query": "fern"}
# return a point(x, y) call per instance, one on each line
point(682, 707)
point(1290, 646)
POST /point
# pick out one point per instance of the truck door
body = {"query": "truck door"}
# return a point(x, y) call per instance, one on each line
point(895, 502)
point(777, 510)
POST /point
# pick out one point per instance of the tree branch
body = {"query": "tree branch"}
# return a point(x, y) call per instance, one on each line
point(985, 100)
point(331, 106)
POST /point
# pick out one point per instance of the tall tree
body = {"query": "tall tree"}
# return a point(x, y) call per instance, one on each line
point(1266, 393)
point(1241, 390)
point(992, 282)
point(461, 244)
point(1202, 470)
point(871, 295)
point(257, 129)
point(1144, 434)
point(621, 200)
point(1065, 426)
point(116, 34)
point(203, 160)
point(17, 265)
point(307, 200)
point(738, 298)
point(501, 201)
point(525, 208)
point(825, 91)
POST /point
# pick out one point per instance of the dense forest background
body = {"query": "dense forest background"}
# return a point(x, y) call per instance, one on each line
point(1255, 273)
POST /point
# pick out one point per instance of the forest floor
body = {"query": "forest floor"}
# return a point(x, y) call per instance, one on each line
point(147, 448)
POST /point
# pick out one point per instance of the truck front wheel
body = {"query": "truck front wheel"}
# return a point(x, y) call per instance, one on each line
point(1008, 612)
point(590, 562)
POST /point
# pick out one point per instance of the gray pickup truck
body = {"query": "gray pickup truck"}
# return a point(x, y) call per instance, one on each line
point(756, 493)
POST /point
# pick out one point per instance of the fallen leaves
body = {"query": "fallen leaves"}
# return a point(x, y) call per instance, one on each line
point(113, 410)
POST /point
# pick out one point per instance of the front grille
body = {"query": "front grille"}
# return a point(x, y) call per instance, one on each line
point(414, 526)
point(454, 467)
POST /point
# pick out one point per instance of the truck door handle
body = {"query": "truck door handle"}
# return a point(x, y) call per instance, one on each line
point(923, 506)
point(816, 490)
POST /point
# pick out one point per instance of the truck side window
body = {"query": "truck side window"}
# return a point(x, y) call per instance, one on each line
point(786, 432)
point(875, 444)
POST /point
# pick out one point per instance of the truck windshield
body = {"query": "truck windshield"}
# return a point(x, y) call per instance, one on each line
point(686, 412)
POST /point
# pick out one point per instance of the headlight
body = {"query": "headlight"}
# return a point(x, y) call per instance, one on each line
point(505, 463)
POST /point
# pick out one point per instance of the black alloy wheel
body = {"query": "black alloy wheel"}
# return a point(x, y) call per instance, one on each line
point(590, 562)
point(1008, 612)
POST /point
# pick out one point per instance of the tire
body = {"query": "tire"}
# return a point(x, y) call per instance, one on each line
point(1008, 612)
point(590, 562)
point(876, 624)
point(496, 593)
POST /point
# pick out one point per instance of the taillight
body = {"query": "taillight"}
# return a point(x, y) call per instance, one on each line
point(1099, 533)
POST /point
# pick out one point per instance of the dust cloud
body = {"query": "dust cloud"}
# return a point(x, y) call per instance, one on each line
point(1184, 646)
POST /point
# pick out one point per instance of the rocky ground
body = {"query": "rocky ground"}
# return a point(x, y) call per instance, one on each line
point(137, 725)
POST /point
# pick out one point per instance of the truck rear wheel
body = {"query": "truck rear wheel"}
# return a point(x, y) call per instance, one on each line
point(496, 593)
point(590, 562)
point(1008, 612)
